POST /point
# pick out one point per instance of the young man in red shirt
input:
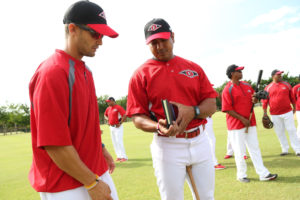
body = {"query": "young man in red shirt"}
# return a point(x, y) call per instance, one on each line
point(115, 115)
point(184, 143)
point(296, 93)
point(69, 161)
point(237, 100)
point(280, 100)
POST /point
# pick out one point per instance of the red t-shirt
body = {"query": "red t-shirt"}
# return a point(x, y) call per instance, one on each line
point(114, 113)
point(239, 99)
point(280, 98)
point(177, 80)
point(64, 111)
point(296, 93)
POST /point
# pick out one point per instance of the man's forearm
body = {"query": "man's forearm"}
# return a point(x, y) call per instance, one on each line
point(144, 123)
point(68, 160)
point(207, 108)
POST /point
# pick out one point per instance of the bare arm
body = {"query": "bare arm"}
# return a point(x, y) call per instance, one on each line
point(68, 160)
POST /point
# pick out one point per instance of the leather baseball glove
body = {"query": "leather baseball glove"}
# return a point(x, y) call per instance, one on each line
point(267, 123)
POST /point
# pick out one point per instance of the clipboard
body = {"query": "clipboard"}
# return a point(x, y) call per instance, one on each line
point(169, 112)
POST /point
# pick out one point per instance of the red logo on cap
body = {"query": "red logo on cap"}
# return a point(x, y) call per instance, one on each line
point(102, 15)
point(154, 27)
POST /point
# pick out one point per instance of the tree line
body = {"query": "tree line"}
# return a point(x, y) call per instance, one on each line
point(16, 117)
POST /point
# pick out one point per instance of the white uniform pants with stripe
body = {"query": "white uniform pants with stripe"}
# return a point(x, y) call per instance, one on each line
point(170, 157)
point(239, 139)
point(80, 193)
point(117, 140)
point(211, 137)
point(286, 122)
point(298, 120)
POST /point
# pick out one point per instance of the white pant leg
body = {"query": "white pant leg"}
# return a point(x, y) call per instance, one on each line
point(120, 141)
point(237, 139)
point(279, 129)
point(212, 139)
point(171, 156)
point(298, 120)
point(254, 151)
point(80, 193)
point(229, 146)
point(114, 140)
point(289, 124)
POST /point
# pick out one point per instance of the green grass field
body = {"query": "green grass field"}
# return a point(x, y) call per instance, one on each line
point(135, 179)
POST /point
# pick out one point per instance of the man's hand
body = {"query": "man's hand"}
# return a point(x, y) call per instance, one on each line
point(100, 192)
point(185, 115)
point(254, 99)
point(109, 160)
point(173, 129)
point(245, 121)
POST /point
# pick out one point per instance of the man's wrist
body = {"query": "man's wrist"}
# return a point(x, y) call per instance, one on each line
point(196, 111)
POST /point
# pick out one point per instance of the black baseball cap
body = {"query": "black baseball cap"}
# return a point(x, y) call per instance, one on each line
point(276, 71)
point(157, 28)
point(110, 99)
point(89, 13)
point(233, 68)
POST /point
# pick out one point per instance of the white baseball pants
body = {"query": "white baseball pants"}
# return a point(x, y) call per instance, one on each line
point(117, 140)
point(229, 147)
point(211, 137)
point(238, 139)
point(80, 193)
point(298, 120)
point(170, 157)
point(286, 122)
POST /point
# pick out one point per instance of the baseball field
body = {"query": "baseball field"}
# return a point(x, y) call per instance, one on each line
point(135, 178)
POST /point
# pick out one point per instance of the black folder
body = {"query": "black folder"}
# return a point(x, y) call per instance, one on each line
point(169, 112)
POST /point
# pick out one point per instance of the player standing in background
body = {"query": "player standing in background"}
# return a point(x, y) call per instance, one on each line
point(296, 93)
point(184, 143)
point(69, 161)
point(237, 102)
point(280, 100)
point(115, 115)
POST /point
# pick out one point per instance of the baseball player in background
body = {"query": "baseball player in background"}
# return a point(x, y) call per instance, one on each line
point(184, 143)
point(280, 100)
point(229, 150)
point(115, 115)
point(296, 93)
point(69, 161)
point(237, 100)
point(212, 140)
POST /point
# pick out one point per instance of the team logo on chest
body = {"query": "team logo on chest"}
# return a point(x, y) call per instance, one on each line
point(189, 73)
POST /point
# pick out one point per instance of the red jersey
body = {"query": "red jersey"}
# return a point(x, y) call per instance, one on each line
point(114, 114)
point(280, 98)
point(296, 94)
point(239, 99)
point(177, 80)
point(64, 111)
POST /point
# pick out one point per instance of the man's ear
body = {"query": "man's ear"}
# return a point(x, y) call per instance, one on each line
point(72, 28)
point(172, 37)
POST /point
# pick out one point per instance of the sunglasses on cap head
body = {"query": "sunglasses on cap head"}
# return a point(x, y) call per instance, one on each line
point(93, 33)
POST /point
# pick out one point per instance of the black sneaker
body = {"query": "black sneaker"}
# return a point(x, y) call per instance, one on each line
point(284, 154)
point(269, 177)
point(298, 154)
point(244, 180)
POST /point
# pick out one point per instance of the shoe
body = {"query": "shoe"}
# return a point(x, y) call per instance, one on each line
point(298, 154)
point(118, 159)
point(123, 159)
point(284, 153)
point(244, 180)
point(227, 156)
point(269, 177)
point(246, 157)
point(219, 166)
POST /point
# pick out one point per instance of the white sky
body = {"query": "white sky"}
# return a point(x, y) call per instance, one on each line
point(258, 34)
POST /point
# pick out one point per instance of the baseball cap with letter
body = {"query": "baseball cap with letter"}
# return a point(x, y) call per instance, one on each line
point(276, 72)
point(90, 14)
point(157, 28)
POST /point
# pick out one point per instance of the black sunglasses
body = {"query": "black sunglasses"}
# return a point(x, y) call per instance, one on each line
point(93, 33)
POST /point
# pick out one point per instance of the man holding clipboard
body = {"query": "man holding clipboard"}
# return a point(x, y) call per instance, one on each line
point(181, 143)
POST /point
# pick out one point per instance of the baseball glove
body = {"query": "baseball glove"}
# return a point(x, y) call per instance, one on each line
point(267, 123)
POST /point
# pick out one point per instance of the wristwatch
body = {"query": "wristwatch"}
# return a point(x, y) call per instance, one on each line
point(197, 111)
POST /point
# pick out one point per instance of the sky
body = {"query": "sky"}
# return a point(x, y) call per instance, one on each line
point(257, 34)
